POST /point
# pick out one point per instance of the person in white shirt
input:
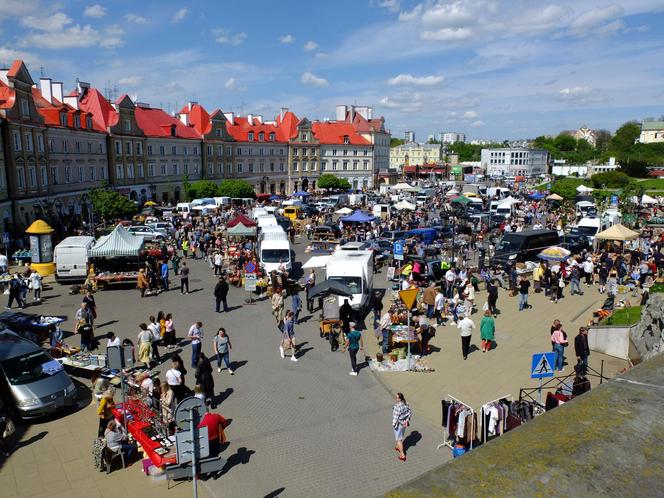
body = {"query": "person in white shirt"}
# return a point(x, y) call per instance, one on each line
point(3, 263)
point(113, 340)
point(466, 325)
point(439, 306)
point(196, 335)
point(218, 261)
point(405, 284)
point(450, 277)
point(36, 285)
point(588, 268)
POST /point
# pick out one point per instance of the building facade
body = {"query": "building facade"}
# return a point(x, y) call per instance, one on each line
point(652, 132)
point(514, 162)
point(345, 153)
point(414, 154)
point(304, 158)
point(450, 137)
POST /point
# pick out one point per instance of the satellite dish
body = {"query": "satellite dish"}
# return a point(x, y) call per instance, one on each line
point(185, 409)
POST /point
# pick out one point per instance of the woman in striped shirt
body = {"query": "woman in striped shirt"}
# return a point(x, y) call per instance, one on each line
point(400, 420)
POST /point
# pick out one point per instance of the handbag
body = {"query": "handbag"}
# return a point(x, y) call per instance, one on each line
point(10, 428)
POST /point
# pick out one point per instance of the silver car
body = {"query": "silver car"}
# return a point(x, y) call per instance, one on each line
point(31, 378)
point(148, 234)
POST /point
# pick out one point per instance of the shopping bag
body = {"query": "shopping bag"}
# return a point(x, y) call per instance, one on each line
point(10, 428)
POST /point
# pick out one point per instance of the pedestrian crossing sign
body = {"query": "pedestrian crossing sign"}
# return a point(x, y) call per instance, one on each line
point(543, 365)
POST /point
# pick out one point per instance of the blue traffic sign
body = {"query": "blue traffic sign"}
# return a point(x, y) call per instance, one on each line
point(249, 267)
point(543, 365)
point(398, 250)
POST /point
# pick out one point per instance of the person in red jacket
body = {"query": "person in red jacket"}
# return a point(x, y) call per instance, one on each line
point(215, 424)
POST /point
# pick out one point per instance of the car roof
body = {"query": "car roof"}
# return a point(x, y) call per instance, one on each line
point(13, 345)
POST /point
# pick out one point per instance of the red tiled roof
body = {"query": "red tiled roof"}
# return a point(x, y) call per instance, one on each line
point(103, 114)
point(7, 96)
point(656, 172)
point(283, 130)
point(334, 132)
point(16, 67)
point(157, 123)
point(51, 112)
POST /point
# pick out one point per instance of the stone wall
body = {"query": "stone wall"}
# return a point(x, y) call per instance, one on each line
point(648, 335)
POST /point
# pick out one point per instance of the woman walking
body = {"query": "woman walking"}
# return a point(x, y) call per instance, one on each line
point(144, 345)
point(205, 380)
point(169, 333)
point(222, 346)
point(559, 339)
point(401, 413)
point(487, 331)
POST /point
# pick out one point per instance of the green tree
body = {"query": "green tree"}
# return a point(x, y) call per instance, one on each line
point(343, 184)
point(236, 189)
point(602, 139)
point(201, 189)
point(566, 187)
point(328, 181)
point(610, 179)
point(394, 142)
point(625, 137)
point(111, 205)
point(565, 142)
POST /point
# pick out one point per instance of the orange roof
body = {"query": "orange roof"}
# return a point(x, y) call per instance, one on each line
point(16, 66)
point(334, 132)
point(283, 130)
point(103, 114)
point(7, 96)
point(158, 123)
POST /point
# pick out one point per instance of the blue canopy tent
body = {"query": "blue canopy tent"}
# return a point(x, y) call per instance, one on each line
point(301, 193)
point(428, 234)
point(358, 217)
point(537, 195)
point(274, 198)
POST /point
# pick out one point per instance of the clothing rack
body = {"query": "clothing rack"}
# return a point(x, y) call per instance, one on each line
point(446, 436)
point(485, 434)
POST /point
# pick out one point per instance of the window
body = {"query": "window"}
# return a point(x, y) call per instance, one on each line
point(163, 169)
point(239, 168)
point(260, 151)
point(296, 166)
point(81, 178)
point(54, 176)
point(272, 137)
point(229, 150)
point(334, 165)
point(209, 150)
point(281, 152)
point(77, 146)
point(28, 142)
point(128, 148)
point(149, 150)
point(118, 150)
point(238, 151)
point(92, 175)
point(355, 165)
point(51, 145)
point(176, 169)
point(345, 152)
point(261, 166)
point(150, 169)
point(195, 168)
point(346, 139)
point(304, 137)
point(20, 175)
point(345, 165)
point(77, 121)
point(366, 164)
point(102, 173)
point(250, 136)
point(65, 146)
point(33, 177)
point(88, 122)
point(305, 166)
point(195, 150)
point(313, 166)
point(139, 148)
point(220, 150)
point(126, 125)
point(17, 141)
point(185, 150)
point(323, 166)
point(162, 150)
point(186, 168)
point(271, 166)
point(210, 170)
point(130, 171)
point(334, 152)
point(217, 132)
point(261, 137)
point(44, 176)
point(174, 150)
point(40, 142)
point(251, 167)
point(119, 171)
point(296, 151)
point(366, 152)
point(89, 147)
point(220, 169)
point(229, 168)
point(355, 152)
point(140, 170)
point(25, 108)
point(67, 174)
point(173, 131)
point(281, 166)
point(101, 147)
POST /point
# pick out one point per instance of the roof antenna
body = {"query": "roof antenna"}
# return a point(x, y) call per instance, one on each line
point(41, 71)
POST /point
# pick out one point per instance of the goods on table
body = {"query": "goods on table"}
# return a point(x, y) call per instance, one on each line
point(418, 364)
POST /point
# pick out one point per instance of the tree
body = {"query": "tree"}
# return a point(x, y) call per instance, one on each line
point(343, 184)
point(610, 179)
point(236, 189)
point(394, 142)
point(328, 181)
point(201, 189)
point(602, 139)
point(625, 137)
point(566, 187)
point(111, 205)
point(565, 142)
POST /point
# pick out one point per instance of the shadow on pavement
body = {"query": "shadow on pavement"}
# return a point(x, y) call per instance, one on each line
point(275, 493)
point(241, 457)
point(411, 440)
point(236, 365)
point(224, 395)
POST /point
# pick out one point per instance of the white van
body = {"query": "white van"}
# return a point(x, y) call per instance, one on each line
point(71, 258)
point(354, 269)
point(266, 220)
point(274, 249)
point(585, 208)
point(222, 201)
point(183, 208)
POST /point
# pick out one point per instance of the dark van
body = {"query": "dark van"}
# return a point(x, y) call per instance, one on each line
point(517, 247)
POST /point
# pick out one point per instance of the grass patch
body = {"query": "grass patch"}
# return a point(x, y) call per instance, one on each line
point(625, 316)
point(657, 288)
point(652, 183)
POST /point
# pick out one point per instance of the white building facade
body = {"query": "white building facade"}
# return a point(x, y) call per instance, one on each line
point(514, 162)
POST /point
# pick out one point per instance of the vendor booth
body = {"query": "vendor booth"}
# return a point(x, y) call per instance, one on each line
point(116, 257)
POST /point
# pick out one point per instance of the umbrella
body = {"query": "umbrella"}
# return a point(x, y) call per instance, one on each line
point(150, 203)
point(329, 287)
point(554, 253)
point(462, 199)
point(274, 198)
point(555, 197)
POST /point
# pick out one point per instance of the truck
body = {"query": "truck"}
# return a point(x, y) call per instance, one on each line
point(274, 249)
point(71, 258)
point(354, 269)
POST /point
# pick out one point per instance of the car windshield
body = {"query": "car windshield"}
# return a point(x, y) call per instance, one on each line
point(26, 368)
point(353, 283)
point(275, 255)
point(508, 245)
point(584, 230)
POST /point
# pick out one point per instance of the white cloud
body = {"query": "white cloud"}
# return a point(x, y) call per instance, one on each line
point(477, 124)
point(55, 22)
point(9, 54)
point(321, 55)
point(96, 11)
point(136, 19)
point(596, 17)
point(310, 45)
point(580, 95)
point(391, 5)
point(448, 34)
point(233, 86)
point(409, 79)
point(470, 115)
point(19, 9)
point(180, 15)
point(405, 102)
point(57, 32)
point(225, 36)
point(309, 78)
point(130, 80)
point(286, 39)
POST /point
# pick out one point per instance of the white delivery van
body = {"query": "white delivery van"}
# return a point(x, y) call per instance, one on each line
point(357, 199)
point(222, 201)
point(258, 212)
point(585, 208)
point(506, 209)
point(183, 208)
point(354, 269)
point(381, 211)
point(266, 220)
point(588, 227)
point(292, 202)
point(71, 258)
point(274, 249)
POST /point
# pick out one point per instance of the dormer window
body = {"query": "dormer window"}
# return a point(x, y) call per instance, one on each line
point(250, 136)
point(261, 137)
point(346, 139)
point(126, 125)
point(88, 122)
point(272, 137)
point(77, 121)
point(173, 130)
point(63, 119)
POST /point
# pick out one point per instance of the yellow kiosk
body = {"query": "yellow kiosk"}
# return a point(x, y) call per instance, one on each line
point(41, 248)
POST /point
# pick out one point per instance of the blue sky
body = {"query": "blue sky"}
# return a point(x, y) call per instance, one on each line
point(490, 68)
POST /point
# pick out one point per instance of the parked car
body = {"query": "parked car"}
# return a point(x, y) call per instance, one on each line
point(161, 226)
point(307, 210)
point(148, 233)
point(326, 232)
point(381, 246)
point(30, 379)
point(575, 242)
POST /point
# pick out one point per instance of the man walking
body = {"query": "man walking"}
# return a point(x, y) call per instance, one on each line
point(354, 344)
point(466, 325)
point(195, 335)
point(429, 299)
point(218, 261)
point(278, 305)
point(164, 274)
point(582, 350)
point(220, 293)
point(524, 286)
point(575, 280)
point(184, 278)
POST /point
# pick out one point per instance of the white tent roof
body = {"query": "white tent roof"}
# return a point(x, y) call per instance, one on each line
point(405, 205)
point(646, 199)
point(452, 192)
point(401, 186)
point(343, 210)
point(583, 188)
point(316, 262)
point(118, 243)
point(508, 201)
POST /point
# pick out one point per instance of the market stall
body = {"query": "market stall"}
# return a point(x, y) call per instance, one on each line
point(116, 257)
point(37, 328)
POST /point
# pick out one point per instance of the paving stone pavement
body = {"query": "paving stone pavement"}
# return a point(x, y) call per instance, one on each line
point(298, 429)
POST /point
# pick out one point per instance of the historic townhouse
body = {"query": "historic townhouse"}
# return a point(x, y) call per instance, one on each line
point(217, 143)
point(370, 128)
point(5, 202)
point(304, 158)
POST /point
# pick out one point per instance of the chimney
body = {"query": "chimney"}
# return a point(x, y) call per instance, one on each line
point(250, 119)
point(184, 117)
point(72, 101)
point(192, 104)
point(82, 87)
point(56, 89)
point(341, 113)
point(259, 119)
point(230, 117)
point(352, 113)
point(284, 110)
point(45, 88)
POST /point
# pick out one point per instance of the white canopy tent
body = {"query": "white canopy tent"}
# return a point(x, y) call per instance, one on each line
point(316, 262)
point(343, 210)
point(583, 188)
point(400, 186)
point(405, 205)
point(646, 199)
point(508, 201)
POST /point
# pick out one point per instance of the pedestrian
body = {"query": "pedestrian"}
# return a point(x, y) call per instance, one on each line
point(175, 263)
point(346, 315)
point(289, 330)
point(278, 305)
point(36, 285)
point(105, 411)
point(175, 379)
point(466, 325)
point(15, 292)
point(144, 345)
point(426, 332)
point(112, 340)
point(142, 282)
point(218, 261)
point(222, 349)
point(6, 427)
point(163, 274)
point(575, 280)
point(377, 306)
point(582, 350)
point(429, 298)
point(195, 335)
point(353, 344)
point(220, 294)
point(524, 286)
point(492, 297)
point(487, 331)
point(296, 305)
point(559, 339)
point(83, 314)
point(439, 304)
point(401, 414)
point(85, 330)
point(205, 379)
point(169, 333)
point(89, 299)
point(385, 327)
point(155, 332)
point(184, 278)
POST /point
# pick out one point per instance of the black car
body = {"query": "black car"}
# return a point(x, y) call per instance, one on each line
point(326, 232)
point(575, 242)
point(308, 210)
point(284, 223)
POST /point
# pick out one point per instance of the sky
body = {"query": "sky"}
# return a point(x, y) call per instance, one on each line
point(493, 69)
